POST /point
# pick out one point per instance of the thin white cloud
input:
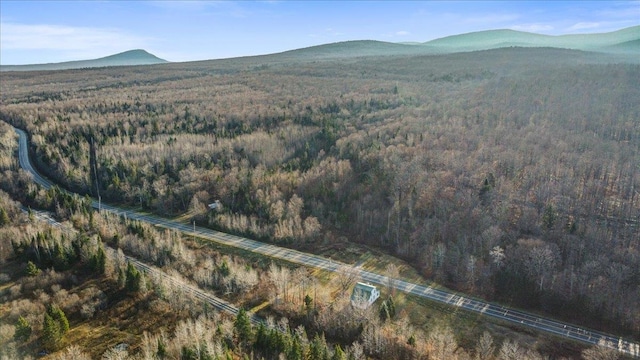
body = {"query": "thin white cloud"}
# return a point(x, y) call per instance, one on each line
point(614, 16)
point(332, 32)
point(66, 38)
point(402, 33)
point(585, 25)
point(534, 28)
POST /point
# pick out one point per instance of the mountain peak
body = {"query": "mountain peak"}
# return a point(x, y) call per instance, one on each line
point(126, 58)
point(134, 54)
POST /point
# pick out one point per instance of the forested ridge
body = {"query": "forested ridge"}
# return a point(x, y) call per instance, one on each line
point(512, 174)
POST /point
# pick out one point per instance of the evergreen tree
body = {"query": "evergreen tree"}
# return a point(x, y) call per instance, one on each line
point(391, 305)
point(308, 301)
point(51, 336)
point(133, 278)
point(58, 315)
point(188, 353)
point(101, 261)
point(162, 349)
point(338, 353)
point(116, 240)
point(277, 342)
point(271, 344)
point(32, 269)
point(384, 311)
point(549, 217)
point(242, 327)
point(295, 351)
point(4, 217)
point(485, 191)
point(318, 349)
point(223, 269)
point(387, 309)
point(97, 262)
point(411, 341)
point(23, 330)
point(60, 260)
point(261, 338)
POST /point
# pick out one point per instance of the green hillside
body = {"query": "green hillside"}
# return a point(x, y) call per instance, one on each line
point(621, 42)
point(630, 47)
point(483, 40)
point(353, 49)
point(127, 58)
point(625, 43)
point(489, 39)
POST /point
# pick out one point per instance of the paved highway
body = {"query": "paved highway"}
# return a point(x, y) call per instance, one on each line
point(509, 315)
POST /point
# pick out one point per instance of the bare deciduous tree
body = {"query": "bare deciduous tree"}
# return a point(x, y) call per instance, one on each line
point(392, 272)
point(600, 352)
point(485, 349)
point(347, 276)
point(540, 262)
point(73, 352)
point(443, 344)
point(497, 256)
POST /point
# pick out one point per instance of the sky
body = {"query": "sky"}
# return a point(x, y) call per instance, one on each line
point(34, 32)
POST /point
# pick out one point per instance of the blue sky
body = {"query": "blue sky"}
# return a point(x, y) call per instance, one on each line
point(54, 31)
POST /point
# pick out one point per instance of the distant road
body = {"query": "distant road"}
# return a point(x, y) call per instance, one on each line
point(509, 315)
point(152, 271)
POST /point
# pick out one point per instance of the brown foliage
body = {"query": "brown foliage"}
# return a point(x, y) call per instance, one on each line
point(465, 156)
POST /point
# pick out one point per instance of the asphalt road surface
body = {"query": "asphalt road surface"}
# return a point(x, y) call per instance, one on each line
point(458, 300)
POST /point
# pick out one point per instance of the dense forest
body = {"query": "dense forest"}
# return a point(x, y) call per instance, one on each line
point(68, 291)
point(511, 174)
point(67, 295)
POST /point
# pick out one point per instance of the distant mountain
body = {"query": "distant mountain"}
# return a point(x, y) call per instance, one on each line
point(625, 40)
point(631, 47)
point(131, 57)
point(351, 49)
point(622, 42)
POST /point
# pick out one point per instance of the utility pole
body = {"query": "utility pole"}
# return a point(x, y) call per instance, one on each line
point(95, 170)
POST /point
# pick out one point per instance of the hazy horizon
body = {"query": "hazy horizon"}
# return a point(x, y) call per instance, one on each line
point(202, 30)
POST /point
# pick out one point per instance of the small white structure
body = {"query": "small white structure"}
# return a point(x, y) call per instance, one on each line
point(215, 205)
point(364, 295)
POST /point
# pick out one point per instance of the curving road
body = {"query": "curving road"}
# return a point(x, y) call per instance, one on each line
point(509, 315)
